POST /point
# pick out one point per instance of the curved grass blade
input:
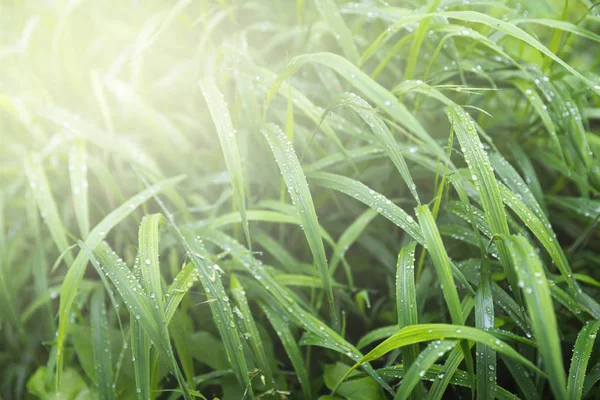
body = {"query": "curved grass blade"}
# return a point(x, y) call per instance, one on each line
point(516, 32)
point(423, 362)
point(426, 332)
point(291, 348)
point(75, 274)
point(536, 291)
point(283, 299)
point(301, 197)
point(484, 319)
point(373, 91)
point(100, 342)
point(441, 262)
point(371, 198)
point(377, 334)
point(220, 115)
point(349, 236)
point(38, 182)
point(383, 134)
point(485, 182)
point(406, 303)
point(79, 186)
point(139, 305)
point(581, 356)
point(250, 330)
point(331, 13)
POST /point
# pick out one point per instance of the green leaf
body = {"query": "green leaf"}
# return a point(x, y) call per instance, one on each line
point(282, 329)
point(331, 13)
point(79, 186)
point(536, 291)
point(581, 356)
point(75, 274)
point(372, 90)
point(301, 197)
point(227, 137)
point(101, 346)
point(406, 301)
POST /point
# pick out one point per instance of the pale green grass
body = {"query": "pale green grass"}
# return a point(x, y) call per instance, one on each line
point(318, 199)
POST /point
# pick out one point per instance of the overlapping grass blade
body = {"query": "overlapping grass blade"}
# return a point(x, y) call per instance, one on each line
point(383, 134)
point(536, 290)
point(581, 356)
point(291, 348)
point(423, 362)
point(283, 300)
point(372, 90)
point(73, 277)
point(406, 301)
point(79, 186)
point(38, 182)
point(101, 346)
point(301, 197)
point(485, 182)
point(250, 331)
point(375, 200)
point(227, 137)
point(139, 305)
point(331, 13)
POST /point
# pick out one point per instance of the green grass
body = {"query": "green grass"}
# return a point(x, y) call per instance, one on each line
point(310, 199)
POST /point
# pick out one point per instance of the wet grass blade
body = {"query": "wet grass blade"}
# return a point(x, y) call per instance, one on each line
point(291, 348)
point(227, 137)
point(426, 332)
point(141, 308)
point(331, 13)
point(372, 90)
point(484, 319)
point(383, 134)
point(250, 331)
point(406, 302)
point(38, 182)
point(423, 362)
point(536, 290)
point(581, 356)
point(485, 182)
point(148, 258)
point(101, 346)
point(301, 197)
point(79, 186)
point(375, 200)
point(441, 262)
point(75, 274)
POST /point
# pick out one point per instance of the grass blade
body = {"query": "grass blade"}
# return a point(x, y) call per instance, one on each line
point(75, 274)
point(581, 356)
point(250, 330)
point(331, 13)
point(291, 348)
point(101, 342)
point(406, 303)
point(534, 284)
point(301, 197)
point(372, 90)
point(38, 182)
point(79, 186)
point(227, 137)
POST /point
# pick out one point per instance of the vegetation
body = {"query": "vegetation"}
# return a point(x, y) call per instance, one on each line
point(313, 199)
